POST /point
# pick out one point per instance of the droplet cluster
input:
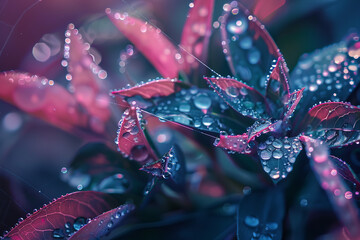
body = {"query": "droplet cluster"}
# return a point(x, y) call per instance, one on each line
point(277, 155)
point(262, 231)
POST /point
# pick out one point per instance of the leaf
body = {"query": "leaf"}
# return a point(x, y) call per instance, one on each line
point(154, 88)
point(264, 8)
point(347, 174)
point(99, 168)
point(248, 46)
point(277, 88)
point(335, 123)
point(333, 184)
point(87, 78)
point(150, 41)
point(104, 223)
point(196, 34)
point(242, 98)
point(42, 98)
point(291, 104)
point(171, 166)
point(260, 215)
point(278, 155)
point(199, 109)
point(131, 139)
point(241, 143)
point(63, 211)
point(327, 74)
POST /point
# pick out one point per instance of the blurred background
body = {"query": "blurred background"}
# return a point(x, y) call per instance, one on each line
point(32, 152)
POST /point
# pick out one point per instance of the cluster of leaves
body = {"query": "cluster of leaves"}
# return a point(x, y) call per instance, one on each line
point(262, 122)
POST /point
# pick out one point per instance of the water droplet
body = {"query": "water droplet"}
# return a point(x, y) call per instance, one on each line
point(79, 223)
point(277, 143)
point(207, 120)
point(202, 101)
point(238, 25)
point(245, 43)
point(265, 155)
point(139, 153)
point(58, 234)
point(277, 154)
point(254, 55)
point(116, 183)
point(232, 91)
point(272, 226)
point(275, 174)
point(184, 107)
point(251, 221)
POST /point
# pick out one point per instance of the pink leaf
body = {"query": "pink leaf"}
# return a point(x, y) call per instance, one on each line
point(333, 184)
point(155, 88)
point(104, 223)
point(249, 48)
point(196, 33)
point(264, 8)
point(277, 89)
point(44, 99)
point(149, 41)
point(131, 138)
point(335, 123)
point(238, 143)
point(87, 78)
point(242, 98)
point(43, 222)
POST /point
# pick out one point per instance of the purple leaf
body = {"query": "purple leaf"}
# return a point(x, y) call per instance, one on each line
point(277, 89)
point(264, 8)
point(248, 46)
point(327, 74)
point(150, 41)
point(242, 98)
point(332, 183)
point(170, 166)
point(131, 139)
point(155, 88)
point(63, 211)
point(261, 214)
point(196, 33)
point(104, 223)
point(44, 99)
point(335, 123)
point(87, 78)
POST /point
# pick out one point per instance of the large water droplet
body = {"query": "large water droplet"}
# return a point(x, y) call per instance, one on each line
point(251, 221)
point(184, 107)
point(265, 155)
point(254, 55)
point(202, 101)
point(232, 91)
point(116, 183)
point(139, 153)
point(207, 120)
point(79, 223)
point(58, 234)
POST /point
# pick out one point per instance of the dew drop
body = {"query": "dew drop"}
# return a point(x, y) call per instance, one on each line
point(277, 154)
point(207, 120)
point(237, 26)
point(79, 223)
point(202, 101)
point(139, 153)
point(265, 155)
point(232, 91)
point(251, 221)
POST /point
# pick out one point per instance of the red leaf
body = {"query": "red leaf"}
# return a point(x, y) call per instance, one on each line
point(155, 88)
point(292, 103)
point(42, 98)
point(87, 78)
point(335, 123)
point(236, 143)
point(131, 138)
point(196, 33)
point(43, 222)
point(277, 89)
point(333, 185)
point(249, 48)
point(103, 224)
point(242, 98)
point(149, 41)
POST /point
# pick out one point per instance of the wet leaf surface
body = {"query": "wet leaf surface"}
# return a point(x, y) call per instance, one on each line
point(71, 209)
point(335, 123)
point(260, 215)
